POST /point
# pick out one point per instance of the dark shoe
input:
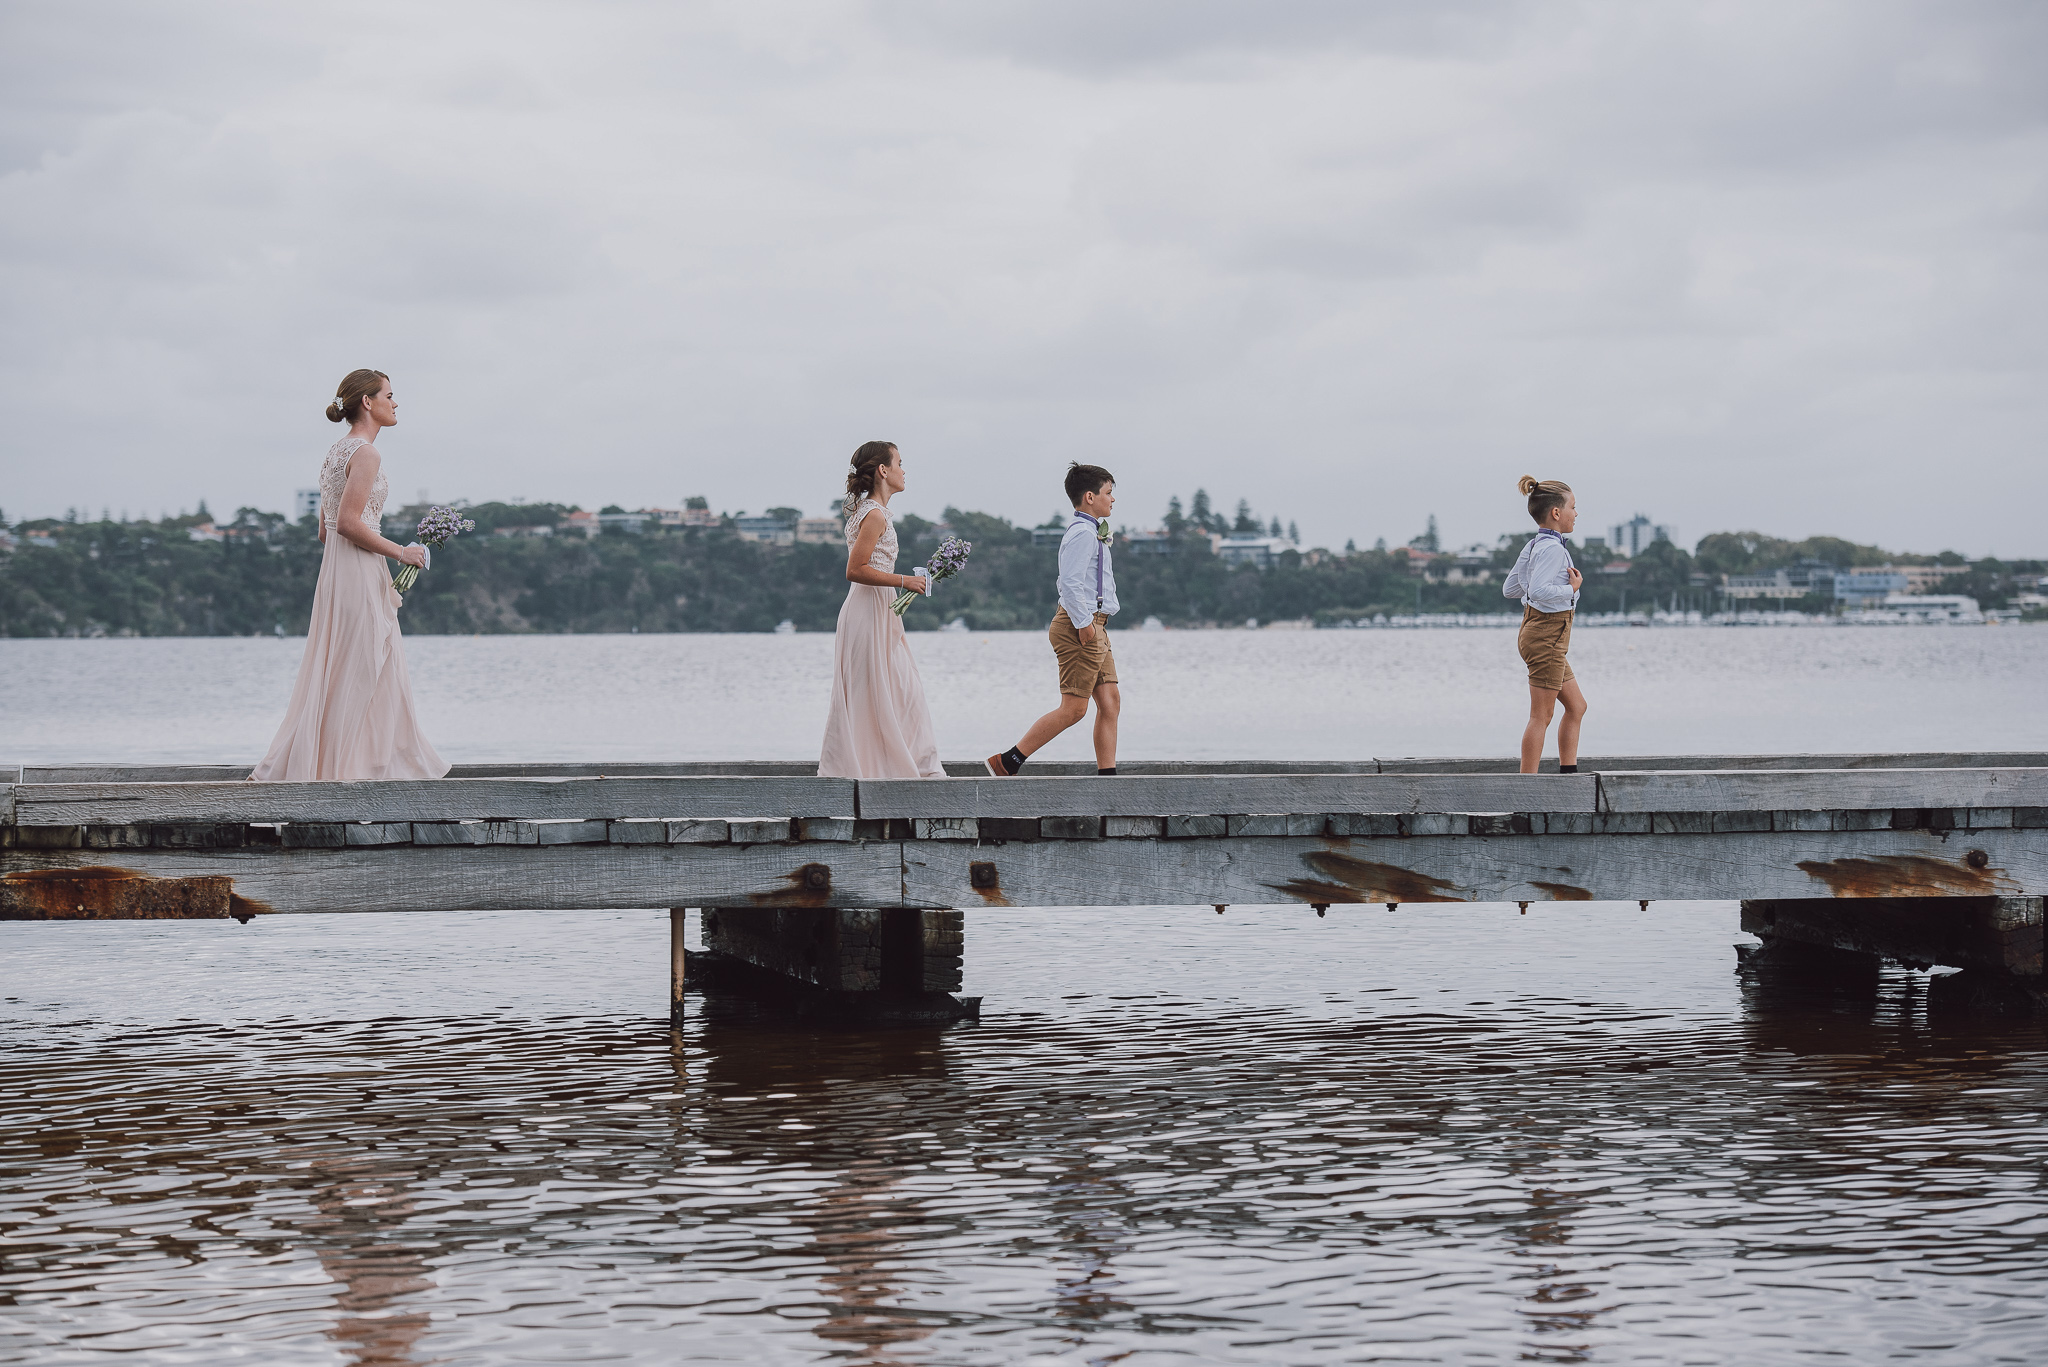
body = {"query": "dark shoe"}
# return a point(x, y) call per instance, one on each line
point(999, 767)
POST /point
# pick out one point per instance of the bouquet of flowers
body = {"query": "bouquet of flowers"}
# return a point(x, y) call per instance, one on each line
point(947, 561)
point(438, 526)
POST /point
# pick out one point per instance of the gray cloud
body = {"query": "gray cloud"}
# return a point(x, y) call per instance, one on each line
point(1734, 265)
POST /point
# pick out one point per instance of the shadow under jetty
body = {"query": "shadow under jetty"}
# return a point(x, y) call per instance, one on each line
point(853, 965)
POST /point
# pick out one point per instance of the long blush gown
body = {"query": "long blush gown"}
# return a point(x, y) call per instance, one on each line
point(879, 726)
point(351, 713)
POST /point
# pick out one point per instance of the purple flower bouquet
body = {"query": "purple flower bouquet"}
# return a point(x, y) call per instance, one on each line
point(438, 526)
point(947, 561)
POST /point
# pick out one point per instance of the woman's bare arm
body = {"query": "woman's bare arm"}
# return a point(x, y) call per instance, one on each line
point(362, 476)
point(861, 572)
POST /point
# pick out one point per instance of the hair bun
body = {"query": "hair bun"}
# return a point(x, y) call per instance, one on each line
point(1526, 485)
point(334, 413)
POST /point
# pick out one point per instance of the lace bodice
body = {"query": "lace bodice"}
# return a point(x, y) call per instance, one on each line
point(334, 479)
point(884, 557)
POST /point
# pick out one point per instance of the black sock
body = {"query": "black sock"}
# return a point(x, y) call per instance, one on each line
point(1110, 770)
point(1013, 759)
point(1567, 768)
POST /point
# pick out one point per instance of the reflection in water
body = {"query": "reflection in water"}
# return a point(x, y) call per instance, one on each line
point(362, 1208)
point(857, 1219)
point(1452, 1135)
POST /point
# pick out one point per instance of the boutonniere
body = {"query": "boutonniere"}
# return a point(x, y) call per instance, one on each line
point(1102, 532)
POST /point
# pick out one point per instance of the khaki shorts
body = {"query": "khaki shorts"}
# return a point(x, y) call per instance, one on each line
point(1545, 637)
point(1082, 667)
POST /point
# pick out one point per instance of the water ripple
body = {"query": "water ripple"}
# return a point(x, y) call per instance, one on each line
point(1175, 1138)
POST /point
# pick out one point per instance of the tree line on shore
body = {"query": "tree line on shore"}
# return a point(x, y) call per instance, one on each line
point(74, 577)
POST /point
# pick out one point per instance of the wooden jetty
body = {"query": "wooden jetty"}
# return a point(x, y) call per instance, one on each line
point(858, 886)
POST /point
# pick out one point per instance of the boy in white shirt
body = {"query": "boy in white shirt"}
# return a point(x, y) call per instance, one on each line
point(1547, 583)
point(1080, 628)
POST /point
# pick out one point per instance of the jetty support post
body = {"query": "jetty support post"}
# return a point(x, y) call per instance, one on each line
point(1997, 939)
point(678, 962)
point(895, 960)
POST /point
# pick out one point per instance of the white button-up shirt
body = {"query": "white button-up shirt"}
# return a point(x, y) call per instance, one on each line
point(1541, 577)
point(1078, 551)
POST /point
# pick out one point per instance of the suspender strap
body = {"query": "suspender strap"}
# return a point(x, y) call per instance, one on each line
point(1092, 522)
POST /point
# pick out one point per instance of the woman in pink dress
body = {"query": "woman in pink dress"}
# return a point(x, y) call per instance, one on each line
point(879, 726)
point(351, 713)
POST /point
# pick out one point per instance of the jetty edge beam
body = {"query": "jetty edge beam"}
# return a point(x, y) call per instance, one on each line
point(782, 859)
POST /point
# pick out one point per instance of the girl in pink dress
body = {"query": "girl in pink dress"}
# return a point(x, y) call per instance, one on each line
point(351, 714)
point(879, 726)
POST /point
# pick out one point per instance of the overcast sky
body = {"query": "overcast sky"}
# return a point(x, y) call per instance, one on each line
point(1735, 265)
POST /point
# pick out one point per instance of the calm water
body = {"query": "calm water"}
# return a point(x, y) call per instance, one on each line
point(1443, 1135)
point(1195, 694)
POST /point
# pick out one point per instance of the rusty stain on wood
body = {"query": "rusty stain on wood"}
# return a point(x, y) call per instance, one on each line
point(1907, 875)
point(1346, 878)
point(809, 886)
point(1562, 892)
point(987, 884)
point(107, 893)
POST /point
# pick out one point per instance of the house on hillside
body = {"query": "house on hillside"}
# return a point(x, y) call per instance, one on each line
point(1860, 588)
point(1262, 551)
point(1921, 578)
point(1786, 583)
point(1419, 560)
point(770, 531)
point(695, 512)
point(1473, 565)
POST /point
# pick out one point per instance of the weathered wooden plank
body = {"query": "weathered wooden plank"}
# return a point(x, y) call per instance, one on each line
point(61, 804)
point(1173, 768)
point(1490, 764)
point(42, 837)
point(571, 832)
point(100, 893)
point(1617, 764)
point(1196, 795)
point(517, 877)
point(772, 768)
point(1256, 870)
point(117, 838)
point(1821, 790)
point(1253, 871)
point(432, 833)
point(134, 773)
point(234, 773)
